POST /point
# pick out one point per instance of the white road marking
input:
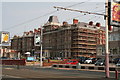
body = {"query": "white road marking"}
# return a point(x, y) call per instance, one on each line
point(8, 68)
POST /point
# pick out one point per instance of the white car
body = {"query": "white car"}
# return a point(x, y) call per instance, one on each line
point(118, 64)
point(88, 61)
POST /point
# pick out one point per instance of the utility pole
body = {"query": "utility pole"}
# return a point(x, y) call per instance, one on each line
point(106, 50)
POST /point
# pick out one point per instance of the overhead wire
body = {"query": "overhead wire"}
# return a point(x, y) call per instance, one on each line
point(30, 20)
point(74, 17)
point(14, 26)
point(92, 11)
point(48, 14)
point(86, 14)
point(94, 18)
point(77, 4)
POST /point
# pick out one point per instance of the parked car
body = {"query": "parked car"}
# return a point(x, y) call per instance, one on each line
point(82, 59)
point(116, 60)
point(59, 58)
point(15, 58)
point(72, 62)
point(4, 58)
point(90, 60)
point(100, 62)
point(118, 64)
point(94, 60)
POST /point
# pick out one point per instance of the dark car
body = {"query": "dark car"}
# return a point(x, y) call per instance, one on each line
point(3, 58)
point(100, 62)
point(82, 59)
point(15, 58)
point(94, 60)
point(116, 60)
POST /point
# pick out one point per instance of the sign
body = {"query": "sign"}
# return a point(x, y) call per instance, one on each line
point(4, 38)
point(116, 13)
point(37, 40)
point(31, 59)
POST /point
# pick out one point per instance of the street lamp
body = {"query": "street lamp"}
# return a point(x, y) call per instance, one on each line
point(41, 62)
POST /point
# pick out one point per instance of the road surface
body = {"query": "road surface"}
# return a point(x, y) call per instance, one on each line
point(11, 73)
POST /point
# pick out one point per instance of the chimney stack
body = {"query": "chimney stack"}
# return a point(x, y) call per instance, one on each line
point(91, 23)
point(39, 29)
point(65, 23)
point(75, 21)
point(53, 19)
point(31, 31)
point(98, 24)
point(35, 30)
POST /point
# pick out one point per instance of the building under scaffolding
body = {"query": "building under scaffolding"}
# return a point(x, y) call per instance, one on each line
point(72, 40)
point(63, 40)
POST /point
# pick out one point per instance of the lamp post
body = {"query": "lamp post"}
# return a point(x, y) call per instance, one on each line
point(41, 62)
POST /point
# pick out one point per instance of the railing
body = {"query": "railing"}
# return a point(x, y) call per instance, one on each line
point(14, 62)
point(82, 67)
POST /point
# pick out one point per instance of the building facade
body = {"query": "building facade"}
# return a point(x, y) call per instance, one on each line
point(24, 43)
point(63, 40)
point(72, 40)
point(114, 42)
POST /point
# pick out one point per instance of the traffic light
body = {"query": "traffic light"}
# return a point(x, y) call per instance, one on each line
point(37, 40)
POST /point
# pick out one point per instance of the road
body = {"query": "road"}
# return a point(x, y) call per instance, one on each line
point(51, 74)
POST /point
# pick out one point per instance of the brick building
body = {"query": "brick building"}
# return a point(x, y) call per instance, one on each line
point(72, 40)
point(23, 44)
point(63, 40)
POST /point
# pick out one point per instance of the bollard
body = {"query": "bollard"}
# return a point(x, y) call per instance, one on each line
point(116, 74)
point(78, 66)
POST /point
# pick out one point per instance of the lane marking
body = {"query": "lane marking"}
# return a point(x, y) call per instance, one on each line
point(8, 68)
point(10, 76)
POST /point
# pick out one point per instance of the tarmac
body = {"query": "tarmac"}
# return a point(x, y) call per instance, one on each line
point(67, 69)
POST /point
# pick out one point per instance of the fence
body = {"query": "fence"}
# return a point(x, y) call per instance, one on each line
point(83, 67)
point(14, 62)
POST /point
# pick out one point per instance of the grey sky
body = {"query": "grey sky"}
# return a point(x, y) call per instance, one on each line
point(14, 13)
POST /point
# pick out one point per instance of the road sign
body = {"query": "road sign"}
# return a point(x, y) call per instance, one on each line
point(4, 38)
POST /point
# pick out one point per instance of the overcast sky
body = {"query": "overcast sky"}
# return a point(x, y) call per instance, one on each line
point(15, 13)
